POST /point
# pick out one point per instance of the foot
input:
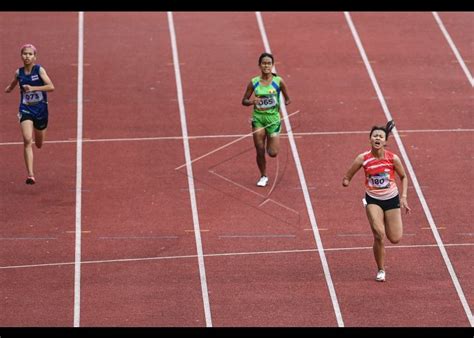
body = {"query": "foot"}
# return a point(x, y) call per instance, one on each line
point(380, 276)
point(262, 181)
point(30, 180)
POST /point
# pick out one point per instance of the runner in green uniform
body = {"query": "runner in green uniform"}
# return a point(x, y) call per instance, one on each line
point(266, 122)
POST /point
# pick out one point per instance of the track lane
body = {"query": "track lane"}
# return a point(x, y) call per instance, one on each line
point(352, 87)
point(439, 159)
point(134, 204)
point(235, 225)
point(36, 220)
point(461, 29)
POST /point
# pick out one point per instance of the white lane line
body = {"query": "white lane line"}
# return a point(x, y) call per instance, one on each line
point(187, 154)
point(232, 142)
point(138, 237)
point(26, 238)
point(426, 209)
point(77, 255)
point(231, 254)
point(454, 49)
point(309, 207)
point(179, 138)
point(257, 236)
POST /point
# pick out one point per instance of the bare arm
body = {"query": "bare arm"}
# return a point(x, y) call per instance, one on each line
point(284, 91)
point(246, 101)
point(355, 166)
point(48, 84)
point(13, 83)
point(403, 177)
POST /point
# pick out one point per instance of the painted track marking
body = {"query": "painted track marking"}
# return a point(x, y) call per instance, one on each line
point(309, 206)
point(158, 258)
point(179, 138)
point(230, 143)
point(77, 254)
point(453, 48)
point(189, 169)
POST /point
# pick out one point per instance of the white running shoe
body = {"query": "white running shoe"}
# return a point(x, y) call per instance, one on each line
point(380, 276)
point(262, 181)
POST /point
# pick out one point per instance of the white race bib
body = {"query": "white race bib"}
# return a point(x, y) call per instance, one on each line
point(267, 102)
point(32, 97)
point(380, 181)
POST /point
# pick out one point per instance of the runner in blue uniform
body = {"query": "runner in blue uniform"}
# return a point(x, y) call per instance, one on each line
point(33, 111)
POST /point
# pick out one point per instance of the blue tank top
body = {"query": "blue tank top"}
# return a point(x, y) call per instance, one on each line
point(35, 101)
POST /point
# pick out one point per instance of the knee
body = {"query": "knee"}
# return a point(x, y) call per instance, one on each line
point(379, 235)
point(27, 142)
point(394, 239)
point(260, 150)
point(38, 144)
point(272, 153)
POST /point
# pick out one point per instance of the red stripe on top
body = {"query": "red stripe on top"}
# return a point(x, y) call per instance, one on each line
point(380, 176)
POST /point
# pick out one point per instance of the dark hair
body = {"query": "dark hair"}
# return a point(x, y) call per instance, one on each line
point(387, 129)
point(266, 55)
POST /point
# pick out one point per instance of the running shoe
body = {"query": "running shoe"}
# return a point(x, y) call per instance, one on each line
point(262, 181)
point(30, 180)
point(380, 276)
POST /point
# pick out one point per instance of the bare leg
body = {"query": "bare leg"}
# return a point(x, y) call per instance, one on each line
point(40, 136)
point(259, 141)
point(273, 145)
point(375, 215)
point(27, 132)
point(394, 225)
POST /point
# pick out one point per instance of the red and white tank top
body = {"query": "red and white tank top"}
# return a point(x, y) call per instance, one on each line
point(380, 176)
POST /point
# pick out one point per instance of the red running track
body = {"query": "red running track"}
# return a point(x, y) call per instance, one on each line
point(262, 266)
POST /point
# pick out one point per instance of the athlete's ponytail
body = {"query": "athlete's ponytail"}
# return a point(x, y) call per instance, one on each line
point(387, 129)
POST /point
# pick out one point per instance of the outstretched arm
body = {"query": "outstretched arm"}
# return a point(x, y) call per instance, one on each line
point(355, 166)
point(12, 84)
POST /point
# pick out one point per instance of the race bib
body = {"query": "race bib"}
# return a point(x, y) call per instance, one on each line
point(380, 181)
point(32, 97)
point(267, 102)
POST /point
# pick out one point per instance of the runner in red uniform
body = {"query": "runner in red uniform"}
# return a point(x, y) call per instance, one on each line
point(382, 199)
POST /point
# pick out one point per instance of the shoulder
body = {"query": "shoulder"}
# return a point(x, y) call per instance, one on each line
point(396, 158)
point(277, 79)
point(254, 82)
point(390, 155)
point(363, 156)
point(366, 154)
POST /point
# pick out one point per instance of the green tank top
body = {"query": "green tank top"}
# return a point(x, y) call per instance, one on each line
point(270, 95)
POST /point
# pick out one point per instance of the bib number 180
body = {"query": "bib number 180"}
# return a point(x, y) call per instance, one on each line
point(379, 181)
